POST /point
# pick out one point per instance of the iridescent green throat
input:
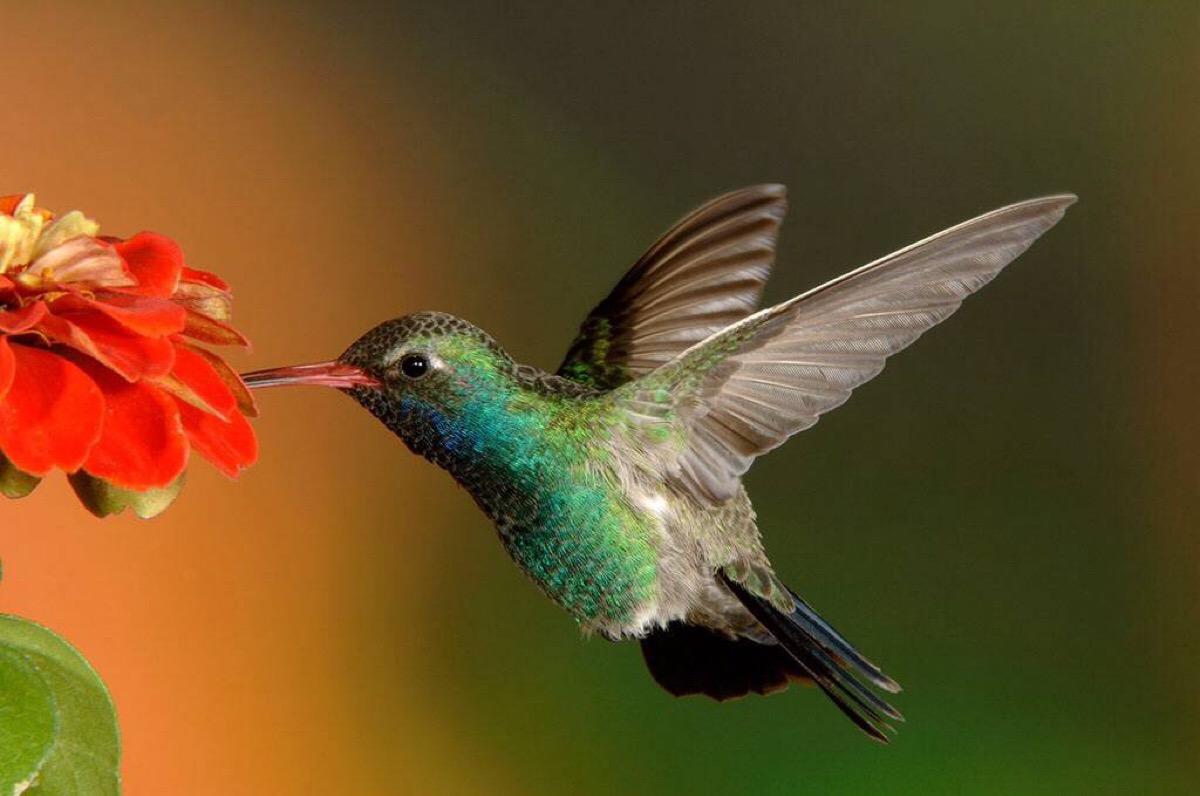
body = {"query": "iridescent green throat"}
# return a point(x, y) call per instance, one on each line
point(530, 450)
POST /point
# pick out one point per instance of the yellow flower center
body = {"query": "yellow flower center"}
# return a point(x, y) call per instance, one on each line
point(25, 235)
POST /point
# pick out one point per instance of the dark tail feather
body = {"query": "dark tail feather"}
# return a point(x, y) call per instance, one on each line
point(833, 641)
point(827, 659)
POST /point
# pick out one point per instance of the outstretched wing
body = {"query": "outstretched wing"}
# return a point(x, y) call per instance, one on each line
point(705, 273)
point(749, 387)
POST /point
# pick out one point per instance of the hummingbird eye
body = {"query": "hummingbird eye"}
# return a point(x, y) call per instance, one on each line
point(414, 366)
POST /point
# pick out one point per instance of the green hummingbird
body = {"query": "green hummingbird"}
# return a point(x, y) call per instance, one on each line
point(615, 483)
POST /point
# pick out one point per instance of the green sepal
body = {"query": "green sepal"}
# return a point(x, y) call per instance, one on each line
point(15, 483)
point(102, 498)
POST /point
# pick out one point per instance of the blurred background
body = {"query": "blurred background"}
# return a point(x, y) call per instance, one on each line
point(1005, 519)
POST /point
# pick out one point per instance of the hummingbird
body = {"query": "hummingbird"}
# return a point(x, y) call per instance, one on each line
point(615, 482)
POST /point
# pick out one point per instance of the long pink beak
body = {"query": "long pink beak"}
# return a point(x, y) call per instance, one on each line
point(323, 374)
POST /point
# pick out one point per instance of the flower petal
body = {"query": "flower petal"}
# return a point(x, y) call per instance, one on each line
point(205, 300)
point(152, 317)
point(194, 381)
point(81, 260)
point(71, 225)
point(245, 399)
point(155, 260)
point(52, 414)
point(196, 276)
point(206, 330)
point(103, 339)
point(142, 445)
point(23, 319)
point(230, 446)
point(8, 367)
point(8, 204)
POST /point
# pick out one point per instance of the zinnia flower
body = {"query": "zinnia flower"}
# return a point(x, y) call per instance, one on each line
point(101, 371)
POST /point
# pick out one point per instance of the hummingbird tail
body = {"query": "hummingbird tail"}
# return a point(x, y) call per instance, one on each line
point(826, 658)
point(689, 659)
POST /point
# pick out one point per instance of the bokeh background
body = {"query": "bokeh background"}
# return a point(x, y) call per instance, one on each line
point(1006, 518)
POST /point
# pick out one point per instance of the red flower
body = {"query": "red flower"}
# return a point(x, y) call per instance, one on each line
point(101, 374)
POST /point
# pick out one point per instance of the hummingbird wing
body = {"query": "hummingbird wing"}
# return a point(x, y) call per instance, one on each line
point(746, 389)
point(705, 273)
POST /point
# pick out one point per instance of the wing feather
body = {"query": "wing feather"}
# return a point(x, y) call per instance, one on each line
point(705, 273)
point(747, 388)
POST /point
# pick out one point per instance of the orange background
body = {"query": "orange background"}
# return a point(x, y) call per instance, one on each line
point(222, 629)
point(1005, 518)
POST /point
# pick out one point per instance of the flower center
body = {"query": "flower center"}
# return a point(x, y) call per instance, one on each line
point(28, 232)
point(40, 253)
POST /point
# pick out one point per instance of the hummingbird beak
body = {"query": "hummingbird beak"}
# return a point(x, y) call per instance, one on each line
point(322, 374)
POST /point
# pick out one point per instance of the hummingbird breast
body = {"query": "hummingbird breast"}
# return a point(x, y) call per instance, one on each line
point(596, 528)
point(587, 550)
point(622, 551)
point(538, 463)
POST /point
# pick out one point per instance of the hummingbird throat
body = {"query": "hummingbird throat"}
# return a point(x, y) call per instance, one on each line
point(528, 461)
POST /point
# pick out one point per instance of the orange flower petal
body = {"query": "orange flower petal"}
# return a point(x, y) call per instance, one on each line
point(52, 414)
point(245, 398)
point(23, 319)
point(194, 381)
point(155, 260)
point(103, 339)
point(8, 367)
point(142, 445)
point(230, 446)
point(199, 277)
point(8, 204)
point(152, 317)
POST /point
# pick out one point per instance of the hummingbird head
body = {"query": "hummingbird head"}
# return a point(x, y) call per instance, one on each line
point(421, 375)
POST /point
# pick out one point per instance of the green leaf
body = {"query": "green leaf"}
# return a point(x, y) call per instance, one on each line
point(58, 728)
point(102, 498)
